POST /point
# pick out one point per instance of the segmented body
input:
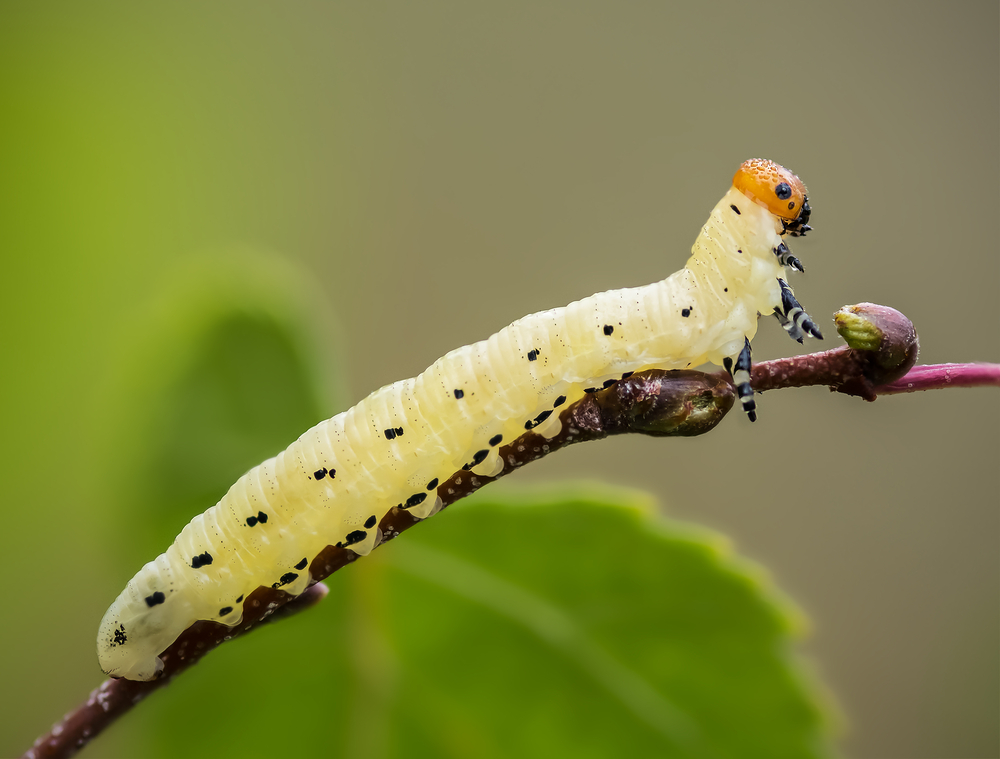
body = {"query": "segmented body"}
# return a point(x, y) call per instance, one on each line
point(334, 484)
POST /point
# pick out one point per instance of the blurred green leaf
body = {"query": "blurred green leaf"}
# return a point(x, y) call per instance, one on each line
point(597, 629)
point(231, 362)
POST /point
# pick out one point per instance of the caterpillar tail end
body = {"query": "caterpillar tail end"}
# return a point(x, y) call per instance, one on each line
point(142, 670)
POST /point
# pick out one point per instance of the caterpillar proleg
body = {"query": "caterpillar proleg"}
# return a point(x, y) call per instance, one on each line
point(335, 483)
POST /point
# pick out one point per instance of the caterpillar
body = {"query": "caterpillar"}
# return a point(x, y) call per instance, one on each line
point(335, 483)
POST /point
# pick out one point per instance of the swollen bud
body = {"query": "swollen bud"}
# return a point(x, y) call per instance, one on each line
point(885, 332)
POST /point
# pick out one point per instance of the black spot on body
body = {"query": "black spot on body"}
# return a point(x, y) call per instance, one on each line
point(590, 389)
point(538, 419)
point(261, 517)
point(369, 523)
point(685, 312)
point(627, 375)
point(608, 329)
point(740, 251)
point(120, 638)
point(355, 537)
point(480, 457)
point(532, 355)
point(155, 599)
point(239, 600)
point(559, 401)
point(432, 484)
point(285, 579)
point(202, 560)
point(390, 434)
point(319, 474)
point(302, 564)
point(735, 209)
point(225, 610)
point(415, 499)
point(459, 394)
point(496, 440)
point(609, 383)
point(784, 192)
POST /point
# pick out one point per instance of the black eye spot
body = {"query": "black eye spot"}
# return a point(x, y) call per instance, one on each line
point(783, 191)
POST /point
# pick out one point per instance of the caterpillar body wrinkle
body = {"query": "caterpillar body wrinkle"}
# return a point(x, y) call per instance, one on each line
point(334, 484)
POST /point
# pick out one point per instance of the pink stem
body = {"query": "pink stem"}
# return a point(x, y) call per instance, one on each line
point(940, 376)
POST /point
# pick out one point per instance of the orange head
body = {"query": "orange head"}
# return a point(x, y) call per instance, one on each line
point(775, 188)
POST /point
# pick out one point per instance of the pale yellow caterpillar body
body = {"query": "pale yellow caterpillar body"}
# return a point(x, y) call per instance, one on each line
point(335, 483)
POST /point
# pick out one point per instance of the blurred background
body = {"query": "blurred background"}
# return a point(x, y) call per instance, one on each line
point(430, 172)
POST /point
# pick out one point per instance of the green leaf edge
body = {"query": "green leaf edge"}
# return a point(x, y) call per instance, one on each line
point(645, 512)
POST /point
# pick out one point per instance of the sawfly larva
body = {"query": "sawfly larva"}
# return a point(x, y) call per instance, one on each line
point(335, 483)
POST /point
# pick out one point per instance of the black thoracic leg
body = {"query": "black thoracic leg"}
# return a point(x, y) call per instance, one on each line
point(789, 327)
point(785, 258)
point(794, 319)
point(741, 378)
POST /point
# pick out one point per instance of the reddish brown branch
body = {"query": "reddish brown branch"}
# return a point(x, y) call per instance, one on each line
point(834, 368)
point(878, 360)
point(847, 371)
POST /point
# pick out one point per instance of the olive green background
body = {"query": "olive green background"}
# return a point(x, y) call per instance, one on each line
point(440, 169)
